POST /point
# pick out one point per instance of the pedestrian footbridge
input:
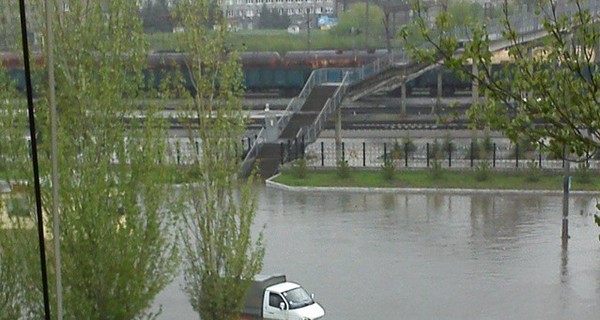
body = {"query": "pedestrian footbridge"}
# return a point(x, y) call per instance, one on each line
point(284, 139)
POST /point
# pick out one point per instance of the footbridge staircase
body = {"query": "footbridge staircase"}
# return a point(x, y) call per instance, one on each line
point(284, 139)
point(396, 69)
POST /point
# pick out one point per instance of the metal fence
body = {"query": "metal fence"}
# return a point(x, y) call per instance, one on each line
point(449, 155)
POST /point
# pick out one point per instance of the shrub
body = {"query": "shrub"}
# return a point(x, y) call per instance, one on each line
point(436, 150)
point(482, 171)
point(487, 146)
point(299, 168)
point(437, 171)
point(534, 173)
point(448, 146)
point(526, 149)
point(408, 145)
point(583, 173)
point(388, 169)
point(343, 169)
point(474, 149)
point(397, 151)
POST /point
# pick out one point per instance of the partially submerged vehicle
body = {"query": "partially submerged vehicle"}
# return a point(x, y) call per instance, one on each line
point(273, 297)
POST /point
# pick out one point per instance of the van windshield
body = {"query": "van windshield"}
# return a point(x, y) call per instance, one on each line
point(298, 298)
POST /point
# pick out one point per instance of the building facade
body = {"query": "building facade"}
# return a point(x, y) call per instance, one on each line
point(244, 14)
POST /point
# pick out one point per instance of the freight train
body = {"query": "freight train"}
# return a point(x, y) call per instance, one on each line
point(263, 71)
point(270, 71)
point(286, 74)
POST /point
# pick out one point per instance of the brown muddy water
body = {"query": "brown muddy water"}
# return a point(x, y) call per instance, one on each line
point(432, 256)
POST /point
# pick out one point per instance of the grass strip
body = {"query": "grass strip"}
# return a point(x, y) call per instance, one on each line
point(446, 180)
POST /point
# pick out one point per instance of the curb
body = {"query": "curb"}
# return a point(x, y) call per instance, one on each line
point(276, 185)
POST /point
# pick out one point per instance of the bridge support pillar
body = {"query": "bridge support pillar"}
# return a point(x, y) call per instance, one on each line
point(403, 96)
point(271, 130)
point(338, 134)
point(475, 84)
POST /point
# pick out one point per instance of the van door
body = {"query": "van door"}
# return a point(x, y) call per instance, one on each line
point(273, 309)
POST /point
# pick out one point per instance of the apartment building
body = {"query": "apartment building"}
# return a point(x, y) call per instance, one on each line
point(244, 14)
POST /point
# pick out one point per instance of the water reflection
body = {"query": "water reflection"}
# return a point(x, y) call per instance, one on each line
point(435, 256)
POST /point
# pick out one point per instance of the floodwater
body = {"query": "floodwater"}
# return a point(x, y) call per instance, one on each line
point(433, 256)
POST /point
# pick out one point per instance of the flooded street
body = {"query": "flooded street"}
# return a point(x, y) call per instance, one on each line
point(395, 256)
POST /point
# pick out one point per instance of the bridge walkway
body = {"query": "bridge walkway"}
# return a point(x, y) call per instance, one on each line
point(270, 155)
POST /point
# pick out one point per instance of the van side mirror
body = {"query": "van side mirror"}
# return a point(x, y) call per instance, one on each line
point(282, 305)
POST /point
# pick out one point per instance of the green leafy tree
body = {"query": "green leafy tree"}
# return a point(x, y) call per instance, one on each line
point(551, 97)
point(157, 17)
point(464, 12)
point(353, 21)
point(220, 255)
point(558, 87)
point(115, 211)
point(272, 19)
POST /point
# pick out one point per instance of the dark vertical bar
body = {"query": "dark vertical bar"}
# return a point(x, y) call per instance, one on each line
point(450, 154)
point(587, 158)
point(427, 154)
point(364, 155)
point(564, 155)
point(406, 154)
point(343, 152)
point(517, 147)
point(289, 150)
point(249, 143)
point(384, 152)
point(296, 151)
point(494, 155)
point(281, 152)
point(34, 154)
point(198, 148)
point(178, 153)
point(472, 154)
point(322, 154)
point(540, 157)
point(303, 146)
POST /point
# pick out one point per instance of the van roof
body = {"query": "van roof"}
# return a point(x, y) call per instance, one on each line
point(283, 287)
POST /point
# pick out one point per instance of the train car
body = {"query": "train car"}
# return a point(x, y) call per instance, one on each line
point(263, 71)
point(13, 63)
point(331, 58)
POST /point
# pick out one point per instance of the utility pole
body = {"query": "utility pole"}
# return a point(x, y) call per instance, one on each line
point(367, 27)
point(308, 27)
point(54, 153)
point(34, 160)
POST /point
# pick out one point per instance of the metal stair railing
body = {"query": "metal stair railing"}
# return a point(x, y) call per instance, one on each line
point(316, 77)
point(311, 133)
point(521, 22)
